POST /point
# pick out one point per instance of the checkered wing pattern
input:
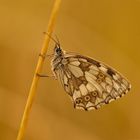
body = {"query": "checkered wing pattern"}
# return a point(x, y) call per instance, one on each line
point(88, 82)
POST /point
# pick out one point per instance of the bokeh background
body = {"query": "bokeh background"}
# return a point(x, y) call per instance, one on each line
point(107, 30)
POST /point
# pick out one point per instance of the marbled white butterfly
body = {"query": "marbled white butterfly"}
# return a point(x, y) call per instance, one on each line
point(88, 82)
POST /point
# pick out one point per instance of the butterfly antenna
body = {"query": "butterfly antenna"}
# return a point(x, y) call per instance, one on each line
point(56, 41)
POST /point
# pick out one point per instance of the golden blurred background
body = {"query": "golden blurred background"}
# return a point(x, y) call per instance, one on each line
point(107, 30)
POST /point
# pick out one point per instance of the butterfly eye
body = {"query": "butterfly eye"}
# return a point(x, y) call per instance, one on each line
point(58, 49)
point(78, 101)
point(87, 98)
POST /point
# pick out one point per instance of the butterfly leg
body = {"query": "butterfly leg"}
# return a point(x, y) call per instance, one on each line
point(44, 56)
point(42, 75)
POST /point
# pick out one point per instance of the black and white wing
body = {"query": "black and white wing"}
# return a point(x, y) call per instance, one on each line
point(90, 83)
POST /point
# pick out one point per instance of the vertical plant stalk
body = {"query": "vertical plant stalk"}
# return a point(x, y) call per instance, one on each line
point(39, 66)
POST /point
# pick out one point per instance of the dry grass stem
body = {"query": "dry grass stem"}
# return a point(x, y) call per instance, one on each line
point(38, 70)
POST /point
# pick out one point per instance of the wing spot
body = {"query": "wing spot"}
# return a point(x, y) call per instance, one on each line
point(94, 93)
point(99, 81)
point(101, 75)
point(100, 78)
point(78, 101)
point(87, 98)
point(110, 72)
point(84, 66)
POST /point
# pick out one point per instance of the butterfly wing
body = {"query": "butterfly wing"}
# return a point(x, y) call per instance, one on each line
point(90, 83)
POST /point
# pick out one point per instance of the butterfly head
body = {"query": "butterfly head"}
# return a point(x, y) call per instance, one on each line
point(57, 50)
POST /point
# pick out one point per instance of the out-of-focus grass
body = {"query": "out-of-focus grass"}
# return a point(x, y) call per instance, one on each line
point(106, 30)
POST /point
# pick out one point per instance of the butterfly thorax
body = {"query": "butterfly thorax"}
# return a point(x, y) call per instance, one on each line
point(58, 60)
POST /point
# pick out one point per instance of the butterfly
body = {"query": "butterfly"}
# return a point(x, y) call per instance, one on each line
point(89, 83)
